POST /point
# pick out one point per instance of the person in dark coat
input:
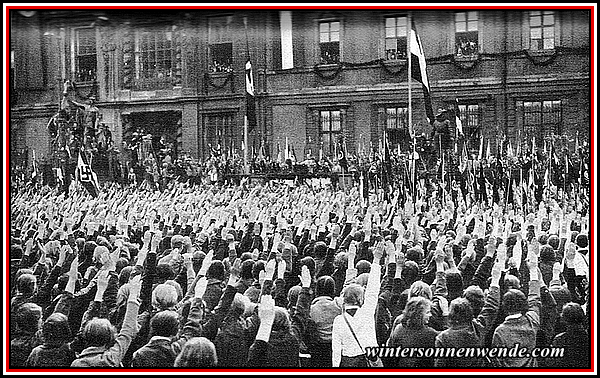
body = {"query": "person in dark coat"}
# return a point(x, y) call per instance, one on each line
point(413, 332)
point(160, 351)
point(575, 340)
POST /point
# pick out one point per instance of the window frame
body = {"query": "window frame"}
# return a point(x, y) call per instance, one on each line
point(153, 81)
point(333, 135)
point(396, 37)
point(468, 125)
point(75, 55)
point(226, 134)
point(540, 127)
point(329, 21)
point(542, 27)
point(469, 35)
point(214, 42)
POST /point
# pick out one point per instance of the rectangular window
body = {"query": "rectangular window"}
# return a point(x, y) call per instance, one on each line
point(220, 131)
point(154, 57)
point(466, 33)
point(329, 42)
point(330, 128)
point(395, 37)
point(396, 126)
point(85, 55)
point(220, 46)
point(541, 30)
point(470, 116)
point(542, 118)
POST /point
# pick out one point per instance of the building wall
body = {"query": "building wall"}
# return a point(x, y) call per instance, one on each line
point(288, 101)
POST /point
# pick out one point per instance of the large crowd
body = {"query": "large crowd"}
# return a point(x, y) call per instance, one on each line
point(263, 275)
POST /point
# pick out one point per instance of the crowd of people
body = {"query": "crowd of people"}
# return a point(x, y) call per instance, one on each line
point(272, 274)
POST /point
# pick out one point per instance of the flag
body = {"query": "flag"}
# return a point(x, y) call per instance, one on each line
point(509, 151)
point(279, 157)
point(287, 149)
point(34, 173)
point(459, 129)
point(480, 156)
point(419, 71)
point(488, 152)
point(293, 156)
point(250, 97)
point(261, 151)
point(86, 176)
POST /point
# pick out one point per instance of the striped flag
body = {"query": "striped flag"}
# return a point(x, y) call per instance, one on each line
point(250, 97)
point(419, 71)
point(86, 176)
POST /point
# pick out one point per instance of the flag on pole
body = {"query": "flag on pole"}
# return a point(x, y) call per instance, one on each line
point(488, 152)
point(459, 129)
point(480, 156)
point(419, 71)
point(279, 156)
point(250, 97)
point(34, 173)
point(86, 176)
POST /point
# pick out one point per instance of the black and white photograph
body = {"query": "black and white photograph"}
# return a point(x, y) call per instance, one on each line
point(336, 188)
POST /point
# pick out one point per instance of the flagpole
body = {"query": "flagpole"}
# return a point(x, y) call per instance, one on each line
point(246, 168)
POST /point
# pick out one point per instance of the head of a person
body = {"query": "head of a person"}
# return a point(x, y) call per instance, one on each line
point(474, 294)
point(454, 283)
point(554, 241)
point(216, 270)
point(239, 304)
point(164, 323)
point(363, 279)
point(26, 284)
point(258, 266)
point(282, 322)
point(582, 241)
point(325, 286)
point(561, 295)
point(340, 261)
point(124, 275)
point(56, 329)
point(512, 282)
point(363, 266)
point(420, 289)
point(246, 270)
point(415, 254)
point(460, 312)
point(164, 272)
point(514, 302)
point(547, 254)
point(101, 254)
point(572, 314)
point(353, 295)
point(177, 287)
point(319, 250)
point(416, 313)
point(28, 317)
point(177, 241)
point(197, 352)
point(164, 296)
point(410, 273)
point(99, 332)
